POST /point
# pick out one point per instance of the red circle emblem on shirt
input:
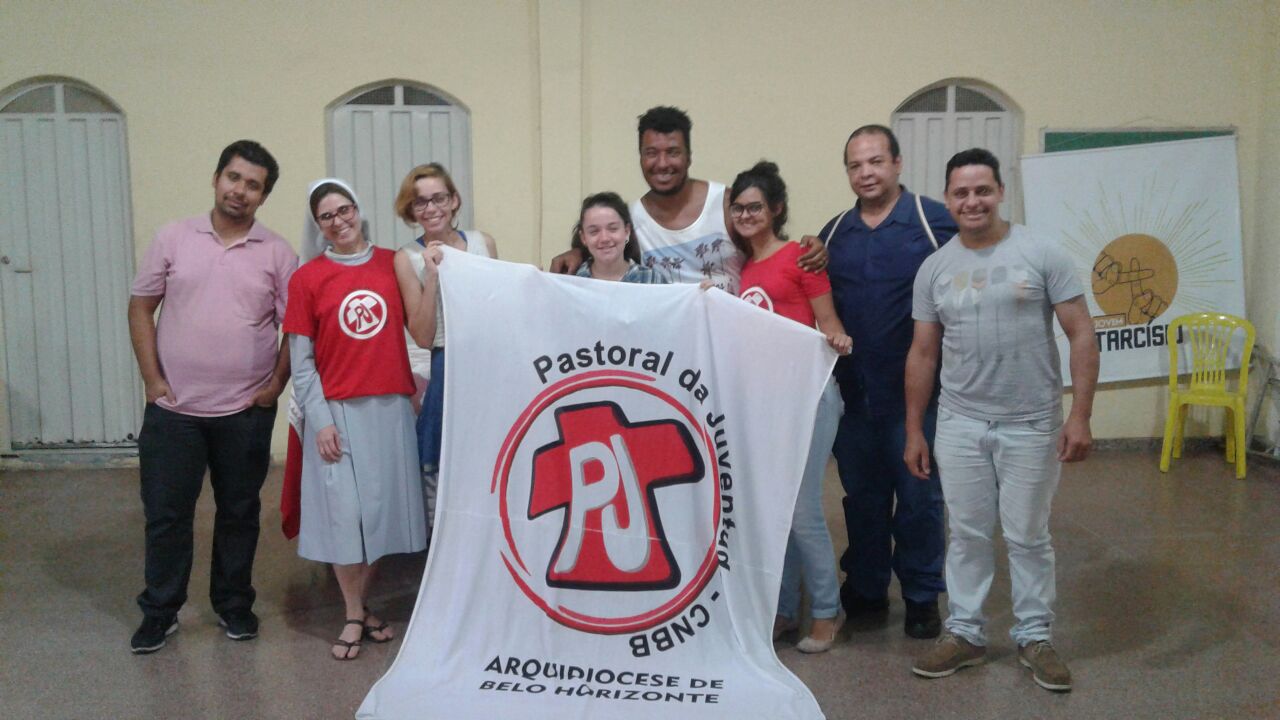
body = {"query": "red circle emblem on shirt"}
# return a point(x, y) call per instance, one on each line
point(362, 314)
point(758, 297)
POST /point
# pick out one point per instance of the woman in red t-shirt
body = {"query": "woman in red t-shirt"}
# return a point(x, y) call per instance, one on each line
point(361, 490)
point(772, 280)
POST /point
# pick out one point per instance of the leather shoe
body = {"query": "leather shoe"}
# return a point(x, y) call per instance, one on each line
point(861, 611)
point(922, 621)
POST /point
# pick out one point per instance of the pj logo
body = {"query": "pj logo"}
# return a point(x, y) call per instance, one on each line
point(603, 472)
point(362, 314)
point(607, 490)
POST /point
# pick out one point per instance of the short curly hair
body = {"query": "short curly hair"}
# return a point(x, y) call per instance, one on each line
point(409, 192)
point(665, 119)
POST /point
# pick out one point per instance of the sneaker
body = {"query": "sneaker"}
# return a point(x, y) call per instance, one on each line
point(922, 621)
point(949, 654)
point(241, 624)
point(151, 634)
point(1047, 669)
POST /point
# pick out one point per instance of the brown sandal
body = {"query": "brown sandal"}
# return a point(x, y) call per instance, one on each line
point(347, 645)
point(369, 630)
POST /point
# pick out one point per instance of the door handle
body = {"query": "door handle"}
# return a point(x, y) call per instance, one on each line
point(4, 260)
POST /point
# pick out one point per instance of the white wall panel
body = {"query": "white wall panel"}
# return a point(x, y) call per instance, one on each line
point(122, 385)
point(52, 369)
point(15, 281)
point(935, 153)
point(78, 286)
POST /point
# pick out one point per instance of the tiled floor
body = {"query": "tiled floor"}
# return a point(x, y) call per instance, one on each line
point(1169, 606)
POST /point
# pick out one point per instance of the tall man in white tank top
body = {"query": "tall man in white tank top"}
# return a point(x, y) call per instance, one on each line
point(681, 223)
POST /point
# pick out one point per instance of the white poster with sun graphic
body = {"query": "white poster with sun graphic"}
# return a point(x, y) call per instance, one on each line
point(1155, 232)
point(619, 469)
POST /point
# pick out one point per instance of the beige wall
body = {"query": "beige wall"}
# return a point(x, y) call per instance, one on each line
point(193, 75)
point(1262, 281)
point(554, 88)
point(768, 79)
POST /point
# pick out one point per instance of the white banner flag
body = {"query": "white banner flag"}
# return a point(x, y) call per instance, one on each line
point(1155, 232)
point(620, 463)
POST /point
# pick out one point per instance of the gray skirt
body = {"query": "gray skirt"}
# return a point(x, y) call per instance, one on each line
point(369, 503)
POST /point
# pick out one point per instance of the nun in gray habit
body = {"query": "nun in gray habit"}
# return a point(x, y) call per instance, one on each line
point(361, 485)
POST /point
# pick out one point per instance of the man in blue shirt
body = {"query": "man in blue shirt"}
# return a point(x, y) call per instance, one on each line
point(894, 520)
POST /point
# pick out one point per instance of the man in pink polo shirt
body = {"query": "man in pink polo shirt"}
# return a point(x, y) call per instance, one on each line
point(213, 367)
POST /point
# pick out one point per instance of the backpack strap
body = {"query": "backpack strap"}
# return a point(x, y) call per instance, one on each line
point(834, 227)
point(925, 223)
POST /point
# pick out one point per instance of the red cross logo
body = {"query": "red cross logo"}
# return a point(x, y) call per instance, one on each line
point(603, 472)
point(585, 480)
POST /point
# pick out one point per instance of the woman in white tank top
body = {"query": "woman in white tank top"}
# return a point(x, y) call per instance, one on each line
point(428, 198)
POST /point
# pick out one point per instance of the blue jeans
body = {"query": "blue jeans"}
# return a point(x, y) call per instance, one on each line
point(894, 520)
point(1009, 469)
point(430, 423)
point(809, 550)
point(430, 430)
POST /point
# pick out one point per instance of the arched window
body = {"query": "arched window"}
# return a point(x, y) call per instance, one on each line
point(953, 115)
point(66, 262)
point(378, 133)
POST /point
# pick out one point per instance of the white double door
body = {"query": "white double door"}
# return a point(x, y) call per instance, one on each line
point(375, 147)
point(929, 139)
point(66, 261)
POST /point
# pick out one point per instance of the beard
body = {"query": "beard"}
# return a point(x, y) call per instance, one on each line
point(226, 209)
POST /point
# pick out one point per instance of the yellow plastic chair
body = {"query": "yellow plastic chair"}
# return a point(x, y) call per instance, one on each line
point(1208, 336)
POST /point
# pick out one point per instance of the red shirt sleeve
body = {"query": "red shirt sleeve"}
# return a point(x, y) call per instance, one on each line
point(286, 266)
point(812, 284)
point(298, 317)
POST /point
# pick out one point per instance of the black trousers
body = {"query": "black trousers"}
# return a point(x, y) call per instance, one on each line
point(174, 450)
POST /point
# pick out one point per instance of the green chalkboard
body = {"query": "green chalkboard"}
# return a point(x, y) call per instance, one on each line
point(1060, 140)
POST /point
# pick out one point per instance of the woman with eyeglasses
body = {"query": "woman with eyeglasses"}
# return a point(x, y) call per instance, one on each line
point(604, 228)
point(772, 280)
point(361, 494)
point(428, 198)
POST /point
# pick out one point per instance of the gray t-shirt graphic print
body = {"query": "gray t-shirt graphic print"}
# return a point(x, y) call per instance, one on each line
point(999, 357)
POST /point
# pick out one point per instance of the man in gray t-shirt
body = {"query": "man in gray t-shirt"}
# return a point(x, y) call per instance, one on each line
point(999, 357)
point(985, 302)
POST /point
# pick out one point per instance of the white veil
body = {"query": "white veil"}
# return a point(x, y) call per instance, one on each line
point(313, 242)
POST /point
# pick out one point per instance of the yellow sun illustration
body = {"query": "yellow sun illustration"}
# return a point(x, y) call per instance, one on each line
point(1144, 250)
point(1135, 275)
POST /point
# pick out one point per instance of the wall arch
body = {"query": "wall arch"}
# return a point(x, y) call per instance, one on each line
point(381, 130)
point(955, 114)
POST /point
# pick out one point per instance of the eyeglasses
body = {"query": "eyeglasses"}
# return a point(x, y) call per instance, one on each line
point(750, 209)
point(440, 200)
point(345, 212)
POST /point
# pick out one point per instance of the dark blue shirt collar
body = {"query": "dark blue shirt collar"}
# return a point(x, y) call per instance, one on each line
point(903, 210)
